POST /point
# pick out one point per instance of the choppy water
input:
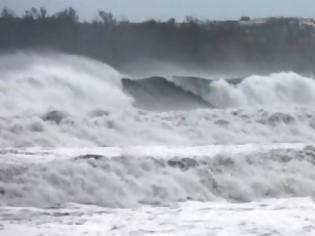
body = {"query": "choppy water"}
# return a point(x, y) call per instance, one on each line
point(80, 147)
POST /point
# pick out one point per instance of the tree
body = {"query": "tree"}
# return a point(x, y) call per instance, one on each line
point(68, 15)
point(32, 14)
point(171, 22)
point(42, 12)
point(8, 13)
point(192, 20)
point(107, 17)
point(245, 18)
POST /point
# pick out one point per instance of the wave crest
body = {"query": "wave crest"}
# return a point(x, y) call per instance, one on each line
point(275, 90)
point(34, 82)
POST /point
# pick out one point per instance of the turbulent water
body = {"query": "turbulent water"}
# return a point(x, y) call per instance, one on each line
point(82, 143)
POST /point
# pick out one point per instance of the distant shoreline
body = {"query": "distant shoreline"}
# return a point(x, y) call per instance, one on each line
point(254, 45)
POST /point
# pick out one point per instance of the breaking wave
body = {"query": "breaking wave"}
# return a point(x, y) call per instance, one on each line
point(159, 94)
point(136, 127)
point(33, 82)
point(58, 100)
point(41, 82)
point(127, 181)
point(54, 99)
point(275, 90)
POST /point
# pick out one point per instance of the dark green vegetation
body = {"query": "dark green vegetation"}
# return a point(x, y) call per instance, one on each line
point(274, 44)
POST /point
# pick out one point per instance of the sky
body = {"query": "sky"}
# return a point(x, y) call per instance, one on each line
point(139, 10)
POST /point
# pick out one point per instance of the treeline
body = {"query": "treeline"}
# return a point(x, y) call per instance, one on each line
point(277, 43)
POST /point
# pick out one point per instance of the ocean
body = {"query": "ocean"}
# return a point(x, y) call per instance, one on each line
point(88, 150)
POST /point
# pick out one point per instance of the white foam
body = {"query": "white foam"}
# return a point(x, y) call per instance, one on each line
point(280, 89)
point(288, 217)
point(96, 112)
point(275, 90)
point(115, 177)
point(35, 82)
point(132, 127)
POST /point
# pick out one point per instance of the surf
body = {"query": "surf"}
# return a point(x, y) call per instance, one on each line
point(157, 177)
point(43, 81)
point(56, 99)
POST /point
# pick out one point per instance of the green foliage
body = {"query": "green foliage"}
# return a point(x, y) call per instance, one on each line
point(7, 13)
point(68, 15)
point(107, 17)
point(277, 43)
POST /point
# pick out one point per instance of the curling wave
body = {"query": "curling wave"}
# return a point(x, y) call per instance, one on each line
point(54, 100)
point(275, 90)
point(34, 82)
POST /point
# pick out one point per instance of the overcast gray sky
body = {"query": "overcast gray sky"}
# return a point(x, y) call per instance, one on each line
point(137, 10)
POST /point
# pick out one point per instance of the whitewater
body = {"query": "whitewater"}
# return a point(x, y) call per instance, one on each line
point(88, 150)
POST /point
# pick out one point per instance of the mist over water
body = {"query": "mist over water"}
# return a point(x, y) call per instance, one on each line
point(41, 82)
point(282, 89)
point(202, 128)
point(44, 81)
point(285, 89)
point(54, 100)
